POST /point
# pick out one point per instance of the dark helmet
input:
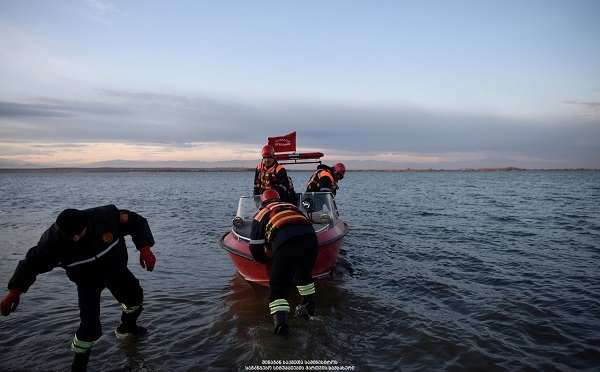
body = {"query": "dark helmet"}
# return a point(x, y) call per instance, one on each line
point(71, 222)
point(268, 151)
point(269, 196)
point(340, 168)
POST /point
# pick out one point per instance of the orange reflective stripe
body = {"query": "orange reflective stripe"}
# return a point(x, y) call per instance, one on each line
point(282, 214)
point(284, 218)
point(259, 216)
point(328, 174)
point(314, 184)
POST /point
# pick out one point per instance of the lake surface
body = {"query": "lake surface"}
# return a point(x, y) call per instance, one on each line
point(439, 272)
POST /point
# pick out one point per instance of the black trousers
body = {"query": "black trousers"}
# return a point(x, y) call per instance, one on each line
point(126, 290)
point(294, 259)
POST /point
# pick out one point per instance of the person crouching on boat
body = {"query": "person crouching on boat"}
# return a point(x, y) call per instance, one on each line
point(90, 245)
point(281, 228)
point(326, 178)
point(269, 174)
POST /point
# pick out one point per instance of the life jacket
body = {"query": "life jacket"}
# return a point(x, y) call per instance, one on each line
point(314, 185)
point(280, 214)
point(268, 177)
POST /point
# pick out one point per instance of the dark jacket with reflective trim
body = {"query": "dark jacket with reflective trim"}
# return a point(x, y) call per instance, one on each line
point(100, 256)
point(270, 230)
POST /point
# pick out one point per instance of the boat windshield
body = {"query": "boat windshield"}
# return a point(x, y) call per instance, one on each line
point(318, 206)
point(247, 207)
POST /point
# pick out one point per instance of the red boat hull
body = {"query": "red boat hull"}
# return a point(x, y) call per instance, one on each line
point(330, 242)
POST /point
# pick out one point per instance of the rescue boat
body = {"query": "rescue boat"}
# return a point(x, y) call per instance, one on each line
point(319, 207)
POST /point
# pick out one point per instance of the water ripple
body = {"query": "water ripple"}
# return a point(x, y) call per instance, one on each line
point(440, 272)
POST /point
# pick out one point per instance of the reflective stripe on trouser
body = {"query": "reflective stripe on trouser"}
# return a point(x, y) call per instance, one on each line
point(306, 290)
point(130, 310)
point(279, 305)
point(78, 346)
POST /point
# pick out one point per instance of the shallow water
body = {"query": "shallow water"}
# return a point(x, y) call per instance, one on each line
point(440, 271)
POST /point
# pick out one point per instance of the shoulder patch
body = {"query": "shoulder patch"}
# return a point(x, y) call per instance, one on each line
point(107, 237)
point(124, 216)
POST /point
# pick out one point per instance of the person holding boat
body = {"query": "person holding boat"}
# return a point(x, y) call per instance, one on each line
point(326, 178)
point(90, 245)
point(284, 230)
point(269, 174)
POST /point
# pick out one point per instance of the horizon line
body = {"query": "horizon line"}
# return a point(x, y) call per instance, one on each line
point(248, 169)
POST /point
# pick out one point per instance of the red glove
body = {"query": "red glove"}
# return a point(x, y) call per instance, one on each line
point(10, 302)
point(147, 259)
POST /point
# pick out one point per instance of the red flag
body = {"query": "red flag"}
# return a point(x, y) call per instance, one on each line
point(285, 143)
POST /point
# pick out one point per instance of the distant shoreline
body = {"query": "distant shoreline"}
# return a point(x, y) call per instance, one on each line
point(243, 169)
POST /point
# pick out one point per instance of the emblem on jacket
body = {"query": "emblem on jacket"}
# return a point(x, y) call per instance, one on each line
point(124, 217)
point(107, 237)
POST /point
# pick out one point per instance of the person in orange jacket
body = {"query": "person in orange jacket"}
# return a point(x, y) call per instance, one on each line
point(269, 174)
point(326, 178)
point(90, 246)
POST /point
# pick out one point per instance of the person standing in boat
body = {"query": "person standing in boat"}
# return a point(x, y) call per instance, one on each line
point(270, 174)
point(326, 178)
point(90, 245)
point(282, 229)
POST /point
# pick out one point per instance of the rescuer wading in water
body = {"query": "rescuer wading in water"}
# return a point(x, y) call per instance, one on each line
point(282, 228)
point(90, 245)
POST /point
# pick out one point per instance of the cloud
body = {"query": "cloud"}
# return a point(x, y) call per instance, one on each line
point(412, 130)
point(46, 107)
point(101, 6)
point(175, 123)
point(591, 109)
point(23, 110)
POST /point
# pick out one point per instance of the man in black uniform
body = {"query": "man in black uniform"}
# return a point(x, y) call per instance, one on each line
point(90, 245)
point(281, 228)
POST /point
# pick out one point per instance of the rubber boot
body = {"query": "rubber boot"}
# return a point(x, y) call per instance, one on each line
point(280, 318)
point(306, 308)
point(128, 323)
point(80, 361)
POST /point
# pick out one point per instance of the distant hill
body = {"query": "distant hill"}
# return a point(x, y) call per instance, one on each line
point(488, 163)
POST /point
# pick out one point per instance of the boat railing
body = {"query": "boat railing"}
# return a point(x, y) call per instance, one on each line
point(241, 234)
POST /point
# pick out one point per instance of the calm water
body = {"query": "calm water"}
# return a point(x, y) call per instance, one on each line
point(440, 272)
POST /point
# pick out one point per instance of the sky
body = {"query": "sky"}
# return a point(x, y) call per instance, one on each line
point(429, 83)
